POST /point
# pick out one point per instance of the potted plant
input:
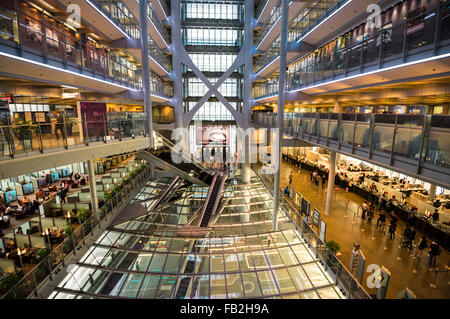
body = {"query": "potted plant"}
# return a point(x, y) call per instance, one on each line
point(24, 132)
point(8, 282)
point(333, 247)
point(82, 215)
point(69, 124)
point(42, 253)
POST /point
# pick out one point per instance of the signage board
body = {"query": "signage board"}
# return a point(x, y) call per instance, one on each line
point(316, 217)
point(322, 230)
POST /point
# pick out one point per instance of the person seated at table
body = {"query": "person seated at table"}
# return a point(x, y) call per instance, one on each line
point(77, 176)
point(19, 230)
point(8, 210)
point(26, 200)
point(435, 215)
point(437, 203)
point(83, 181)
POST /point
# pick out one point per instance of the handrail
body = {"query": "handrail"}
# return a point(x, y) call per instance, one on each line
point(208, 197)
point(73, 242)
point(305, 230)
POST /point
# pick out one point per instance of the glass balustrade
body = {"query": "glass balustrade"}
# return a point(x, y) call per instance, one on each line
point(25, 137)
point(407, 138)
point(387, 46)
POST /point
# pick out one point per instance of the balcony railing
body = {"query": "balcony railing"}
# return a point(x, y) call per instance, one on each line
point(159, 56)
point(265, 89)
point(384, 48)
point(275, 14)
point(65, 133)
point(267, 56)
point(309, 17)
point(157, 23)
point(60, 255)
point(56, 44)
point(418, 144)
point(260, 8)
point(341, 276)
point(118, 13)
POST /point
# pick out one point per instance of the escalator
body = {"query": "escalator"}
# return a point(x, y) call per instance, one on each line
point(185, 166)
point(212, 202)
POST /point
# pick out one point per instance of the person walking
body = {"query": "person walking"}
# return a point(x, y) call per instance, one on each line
point(434, 252)
point(381, 218)
point(290, 178)
point(59, 126)
point(370, 214)
point(365, 208)
point(392, 228)
point(323, 181)
point(422, 245)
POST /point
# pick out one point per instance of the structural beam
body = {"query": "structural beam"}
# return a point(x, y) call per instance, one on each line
point(146, 69)
point(330, 187)
point(93, 188)
point(280, 112)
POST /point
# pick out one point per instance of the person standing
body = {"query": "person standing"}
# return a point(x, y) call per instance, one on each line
point(323, 181)
point(434, 252)
point(392, 228)
point(422, 245)
point(365, 208)
point(370, 213)
point(290, 178)
point(381, 218)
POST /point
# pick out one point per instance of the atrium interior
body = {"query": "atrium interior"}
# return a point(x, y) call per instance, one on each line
point(224, 149)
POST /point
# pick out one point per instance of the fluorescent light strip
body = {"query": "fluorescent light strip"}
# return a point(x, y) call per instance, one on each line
point(266, 97)
point(107, 18)
point(263, 9)
point(268, 32)
point(158, 31)
point(442, 56)
point(324, 20)
point(162, 9)
point(158, 64)
point(63, 70)
point(268, 65)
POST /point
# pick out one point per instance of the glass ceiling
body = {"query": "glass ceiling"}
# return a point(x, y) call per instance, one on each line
point(155, 256)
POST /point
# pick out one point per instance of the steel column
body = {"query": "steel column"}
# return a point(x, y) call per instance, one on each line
point(280, 110)
point(93, 188)
point(248, 82)
point(330, 186)
point(146, 75)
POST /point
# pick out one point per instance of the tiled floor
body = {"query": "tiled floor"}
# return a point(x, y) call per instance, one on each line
point(377, 248)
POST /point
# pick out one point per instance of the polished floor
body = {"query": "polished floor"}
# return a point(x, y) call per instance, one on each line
point(406, 271)
point(155, 256)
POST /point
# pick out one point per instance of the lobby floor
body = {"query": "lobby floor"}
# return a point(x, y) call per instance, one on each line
point(376, 246)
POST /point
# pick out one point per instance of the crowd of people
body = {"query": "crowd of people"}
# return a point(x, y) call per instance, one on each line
point(385, 210)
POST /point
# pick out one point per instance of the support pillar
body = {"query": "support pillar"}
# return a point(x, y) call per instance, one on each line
point(93, 188)
point(337, 107)
point(146, 74)
point(177, 72)
point(432, 195)
point(330, 187)
point(280, 112)
point(248, 83)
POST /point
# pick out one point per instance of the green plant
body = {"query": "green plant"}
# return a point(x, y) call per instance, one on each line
point(69, 122)
point(333, 246)
point(24, 129)
point(68, 230)
point(108, 196)
point(42, 254)
point(117, 189)
point(82, 215)
point(8, 282)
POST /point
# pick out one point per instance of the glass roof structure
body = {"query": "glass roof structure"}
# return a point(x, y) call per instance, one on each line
point(238, 256)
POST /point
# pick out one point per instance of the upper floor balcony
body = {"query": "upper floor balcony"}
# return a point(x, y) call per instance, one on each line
point(308, 26)
point(265, 89)
point(124, 18)
point(156, 28)
point(423, 38)
point(36, 47)
point(418, 145)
